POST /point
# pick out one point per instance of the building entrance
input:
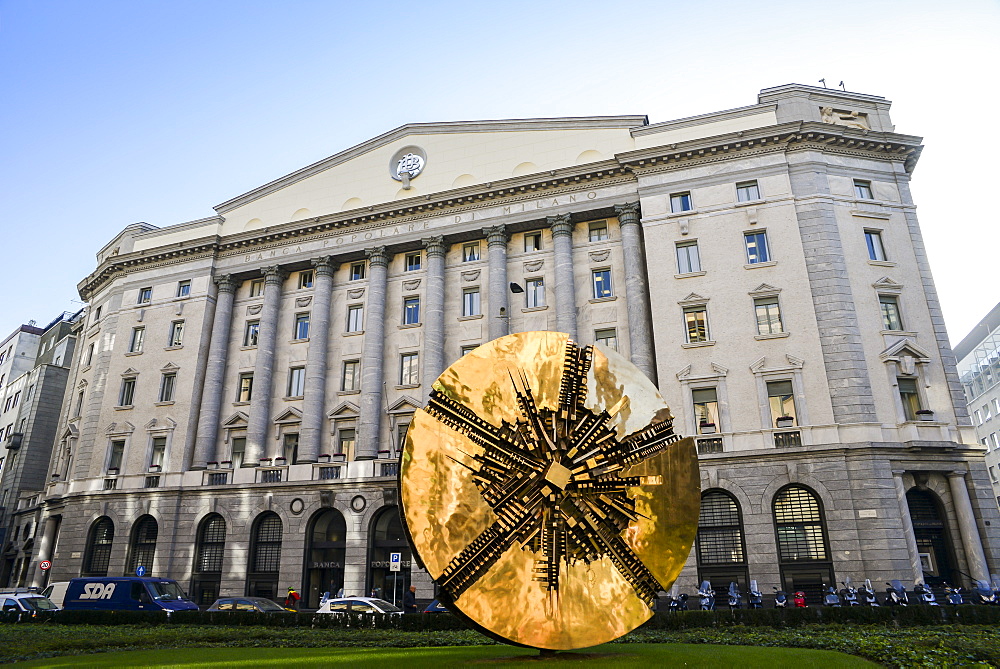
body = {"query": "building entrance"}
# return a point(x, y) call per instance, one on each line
point(933, 540)
point(324, 571)
point(387, 537)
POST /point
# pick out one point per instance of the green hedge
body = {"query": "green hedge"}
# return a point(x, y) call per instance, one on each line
point(902, 616)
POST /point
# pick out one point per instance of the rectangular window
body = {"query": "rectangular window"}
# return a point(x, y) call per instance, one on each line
point(176, 334)
point(909, 396)
point(863, 190)
point(680, 202)
point(89, 358)
point(602, 283)
point(250, 333)
point(183, 288)
point(167, 387)
point(97, 313)
point(470, 252)
point(345, 442)
point(411, 311)
point(993, 473)
point(127, 394)
point(412, 261)
point(306, 279)
point(145, 295)
point(768, 315)
point(301, 326)
point(470, 302)
point(408, 373)
point(996, 440)
point(782, 401)
point(986, 412)
point(688, 259)
point(115, 456)
point(532, 241)
point(747, 191)
point(889, 304)
point(469, 348)
point(239, 447)
point(351, 378)
point(135, 344)
point(598, 231)
point(157, 452)
point(256, 287)
point(296, 381)
point(245, 391)
point(78, 411)
point(696, 323)
point(873, 239)
point(534, 293)
point(977, 417)
point(357, 271)
point(355, 318)
point(401, 431)
point(607, 338)
point(706, 409)
point(757, 251)
point(290, 448)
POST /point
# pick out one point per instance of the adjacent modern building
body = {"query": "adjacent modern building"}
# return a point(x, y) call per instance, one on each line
point(243, 383)
point(979, 367)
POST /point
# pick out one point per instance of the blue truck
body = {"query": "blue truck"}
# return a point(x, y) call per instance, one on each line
point(126, 593)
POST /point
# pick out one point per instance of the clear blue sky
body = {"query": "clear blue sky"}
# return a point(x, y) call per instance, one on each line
point(117, 112)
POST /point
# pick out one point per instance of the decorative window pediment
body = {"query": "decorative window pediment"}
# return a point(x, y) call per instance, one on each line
point(345, 410)
point(902, 349)
point(120, 428)
point(71, 432)
point(718, 371)
point(289, 415)
point(692, 300)
point(764, 290)
point(169, 367)
point(404, 405)
point(130, 373)
point(758, 366)
point(156, 425)
point(238, 419)
point(887, 285)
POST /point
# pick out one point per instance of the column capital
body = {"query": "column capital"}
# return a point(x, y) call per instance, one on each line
point(955, 473)
point(378, 256)
point(627, 213)
point(325, 266)
point(496, 235)
point(273, 274)
point(435, 246)
point(226, 283)
point(560, 225)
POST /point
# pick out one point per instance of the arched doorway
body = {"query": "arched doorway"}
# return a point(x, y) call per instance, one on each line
point(721, 546)
point(803, 547)
point(265, 556)
point(385, 538)
point(209, 552)
point(933, 539)
point(142, 546)
point(327, 541)
point(97, 556)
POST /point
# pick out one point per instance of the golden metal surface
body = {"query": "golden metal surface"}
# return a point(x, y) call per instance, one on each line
point(545, 492)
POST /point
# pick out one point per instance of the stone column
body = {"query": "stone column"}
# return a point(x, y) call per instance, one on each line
point(499, 309)
point(975, 557)
point(370, 420)
point(215, 374)
point(45, 549)
point(562, 242)
point(314, 396)
point(640, 319)
point(433, 353)
point(908, 535)
point(263, 373)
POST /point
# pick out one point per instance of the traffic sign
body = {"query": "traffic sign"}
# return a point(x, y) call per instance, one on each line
point(45, 565)
point(140, 571)
point(394, 561)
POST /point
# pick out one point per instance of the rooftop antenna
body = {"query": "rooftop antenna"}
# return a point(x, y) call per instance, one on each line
point(823, 81)
point(842, 85)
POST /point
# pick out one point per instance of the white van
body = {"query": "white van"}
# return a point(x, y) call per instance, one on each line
point(56, 592)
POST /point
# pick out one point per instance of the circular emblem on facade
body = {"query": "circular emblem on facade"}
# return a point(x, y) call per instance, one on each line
point(358, 503)
point(297, 506)
point(546, 493)
point(407, 163)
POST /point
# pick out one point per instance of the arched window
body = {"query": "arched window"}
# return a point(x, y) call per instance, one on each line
point(720, 542)
point(209, 552)
point(932, 537)
point(265, 556)
point(327, 542)
point(142, 545)
point(803, 549)
point(387, 537)
point(98, 553)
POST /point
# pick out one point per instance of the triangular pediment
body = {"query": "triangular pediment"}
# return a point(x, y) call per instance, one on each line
point(70, 432)
point(289, 415)
point(692, 299)
point(885, 283)
point(238, 418)
point(405, 404)
point(764, 289)
point(345, 410)
point(169, 367)
point(131, 371)
point(120, 428)
point(904, 347)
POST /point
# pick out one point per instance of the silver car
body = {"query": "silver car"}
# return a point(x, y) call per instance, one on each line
point(344, 605)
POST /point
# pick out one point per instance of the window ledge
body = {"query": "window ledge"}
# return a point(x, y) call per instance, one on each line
point(769, 263)
point(353, 334)
point(124, 407)
point(407, 385)
point(688, 275)
point(75, 418)
point(241, 404)
point(131, 353)
point(85, 369)
point(173, 348)
point(750, 203)
point(348, 392)
point(882, 263)
point(686, 212)
point(698, 344)
point(775, 335)
point(470, 318)
point(163, 404)
point(289, 398)
point(898, 333)
point(298, 341)
point(248, 348)
point(407, 326)
point(526, 310)
point(611, 298)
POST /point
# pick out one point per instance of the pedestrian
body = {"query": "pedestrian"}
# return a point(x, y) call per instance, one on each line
point(292, 600)
point(410, 600)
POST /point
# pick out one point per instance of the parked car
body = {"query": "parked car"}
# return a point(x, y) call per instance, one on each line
point(31, 603)
point(436, 607)
point(126, 593)
point(257, 604)
point(358, 605)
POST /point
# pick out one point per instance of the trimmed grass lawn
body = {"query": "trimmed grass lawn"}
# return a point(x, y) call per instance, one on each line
point(611, 655)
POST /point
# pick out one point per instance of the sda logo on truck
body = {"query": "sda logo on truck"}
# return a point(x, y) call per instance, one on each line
point(98, 591)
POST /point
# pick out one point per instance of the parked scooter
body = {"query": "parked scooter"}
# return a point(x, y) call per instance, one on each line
point(895, 594)
point(780, 598)
point(983, 594)
point(849, 594)
point(706, 596)
point(953, 595)
point(735, 596)
point(675, 601)
point(867, 593)
point(755, 600)
point(831, 598)
point(925, 594)
point(799, 599)
point(996, 586)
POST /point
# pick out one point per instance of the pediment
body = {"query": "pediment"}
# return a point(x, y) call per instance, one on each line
point(120, 428)
point(904, 347)
point(345, 410)
point(165, 424)
point(764, 289)
point(289, 415)
point(169, 367)
point(693, 298)
point(131, 371)
point(238, 418)
point(887, 284)
point(71, 432)
point(405, 404)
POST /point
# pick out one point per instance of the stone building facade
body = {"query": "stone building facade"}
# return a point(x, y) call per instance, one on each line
point(246, 378)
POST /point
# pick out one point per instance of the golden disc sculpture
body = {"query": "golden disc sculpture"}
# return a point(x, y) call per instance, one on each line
point(545, 492)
